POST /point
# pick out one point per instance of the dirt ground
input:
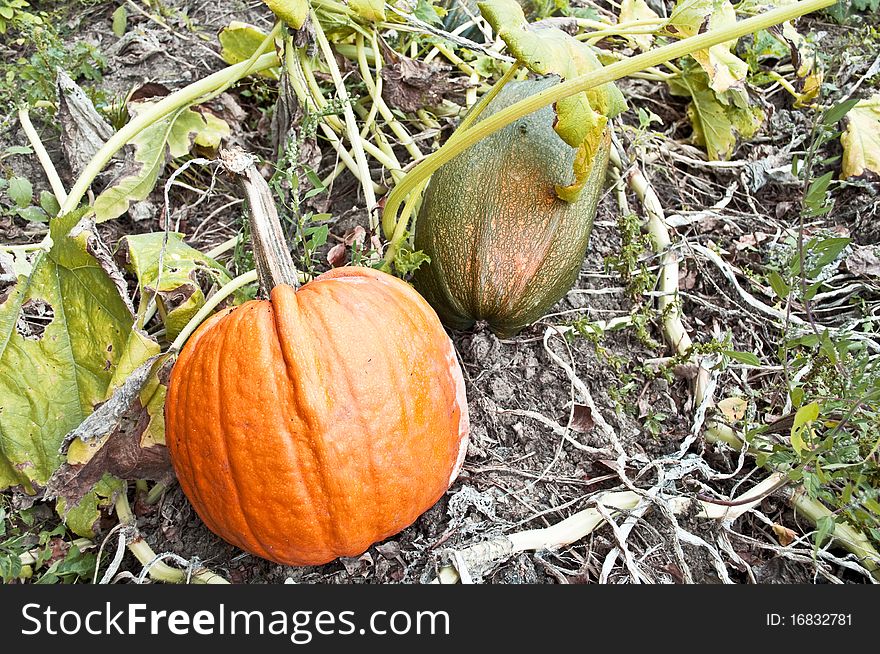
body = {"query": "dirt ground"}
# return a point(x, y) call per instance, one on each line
point(524, 469)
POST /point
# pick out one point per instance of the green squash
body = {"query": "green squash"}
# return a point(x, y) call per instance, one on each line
point(503, 247)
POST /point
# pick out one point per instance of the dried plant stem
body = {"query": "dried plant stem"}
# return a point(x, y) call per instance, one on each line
point(846, 535)
point(42, 156)
point(583, 523)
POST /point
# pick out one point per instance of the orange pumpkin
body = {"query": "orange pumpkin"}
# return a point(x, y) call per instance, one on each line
point(313, 425)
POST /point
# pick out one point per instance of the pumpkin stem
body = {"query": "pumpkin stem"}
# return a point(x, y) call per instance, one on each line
point(271, 256)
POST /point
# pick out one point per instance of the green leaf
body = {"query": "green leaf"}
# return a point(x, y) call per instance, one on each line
point(835, 114)
point(716, 119)
point(20, 191)
point(49, 203)
point(238, 41)
point(293, 12)
point(427, 12)
point(778, 285)
point(826, 251)
point(120, 20)
point(824, 530)
point(815, 197)
point(580, 118)
point(174, 135)
point(33, 214)
point(83, 518)
point(16, 149)
point(62, 330)
point(691, 17)
point(10, 566)
point(804, 417)
point(187, 276)
point(861, 140)
point(746, 358)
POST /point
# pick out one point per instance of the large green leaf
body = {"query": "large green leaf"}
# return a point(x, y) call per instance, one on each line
point(63, 330)
point(182, 283)
point(580, 118)
point(176, 135)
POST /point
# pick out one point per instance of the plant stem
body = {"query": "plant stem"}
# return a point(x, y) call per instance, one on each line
point(186, 96)
point(228, 289)
point(375, 91)
point(589, 80)
point(43, 156)
point(350, 122)
point(142, 551)
point(273, 261)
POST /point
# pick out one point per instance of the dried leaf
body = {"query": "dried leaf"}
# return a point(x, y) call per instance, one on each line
point(116, 440)
point(410, 84)
point(861, 140)
point(864, 260)
point(83, 130)
point(336, 255)
point(785, 535)
point(582, 419)
point(733, 408)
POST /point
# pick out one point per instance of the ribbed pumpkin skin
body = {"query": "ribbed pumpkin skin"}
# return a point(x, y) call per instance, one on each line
point(313, 425)
point(504, 248)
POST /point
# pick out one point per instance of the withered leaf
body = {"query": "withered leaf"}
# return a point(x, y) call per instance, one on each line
point(111, 441)
point(410, 85)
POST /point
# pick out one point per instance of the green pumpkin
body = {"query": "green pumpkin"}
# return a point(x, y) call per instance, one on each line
point(503, 247)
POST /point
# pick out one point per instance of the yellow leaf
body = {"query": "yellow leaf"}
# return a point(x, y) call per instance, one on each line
point(294, 12)
point(636, 10)
point(80, 453)
point(733, 408)
point(785, 535)
point(861, 140)
point(692, 17)
point(372, 10)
